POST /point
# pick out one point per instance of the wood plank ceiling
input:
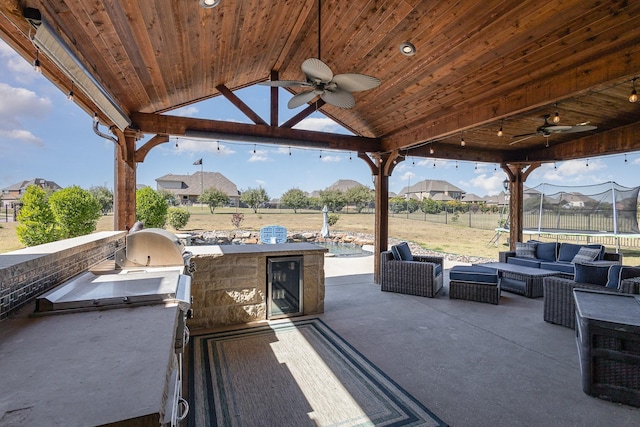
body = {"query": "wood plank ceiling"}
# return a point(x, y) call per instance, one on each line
point(478, 66)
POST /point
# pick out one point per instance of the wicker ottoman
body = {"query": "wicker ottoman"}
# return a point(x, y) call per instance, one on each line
point(474, 283)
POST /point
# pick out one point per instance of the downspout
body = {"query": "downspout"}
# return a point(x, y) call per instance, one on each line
point(101, 134)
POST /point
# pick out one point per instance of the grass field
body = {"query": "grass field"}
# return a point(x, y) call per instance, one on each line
point(450, 238)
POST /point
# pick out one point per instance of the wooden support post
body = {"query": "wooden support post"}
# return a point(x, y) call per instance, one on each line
point(381, 169)
point(125, 181)
point(517, 175)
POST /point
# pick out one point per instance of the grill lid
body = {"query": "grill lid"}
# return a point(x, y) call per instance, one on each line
point(152, 247)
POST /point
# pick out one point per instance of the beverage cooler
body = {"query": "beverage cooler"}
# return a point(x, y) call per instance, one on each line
point(284, 286)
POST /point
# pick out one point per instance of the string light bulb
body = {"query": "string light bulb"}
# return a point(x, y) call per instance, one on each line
point(456, 164)
point(36, 62)
point(556, 116)
point(625, 159)
point(320, 154)
point(218, 147)
point(555, 166)
point(476, 167)
point(70, 95)
point(634, 95)
point(254, 148)
point(431, 150)
point(462, 143)
point(500, 133)
point(289, 150)
point(587, 162)
point(349, 155)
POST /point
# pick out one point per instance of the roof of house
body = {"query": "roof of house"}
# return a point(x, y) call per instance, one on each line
point(344, 185)
point(432, 186)
point(194, 184)
point(34, 181)
point(470, 197)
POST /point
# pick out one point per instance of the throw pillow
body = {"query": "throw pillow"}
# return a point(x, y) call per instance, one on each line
point(613, 277)
point(547, 251)
point(586, 255)
point(593, 274)
point(395, 253)
point(404, 252)
point(526, 249)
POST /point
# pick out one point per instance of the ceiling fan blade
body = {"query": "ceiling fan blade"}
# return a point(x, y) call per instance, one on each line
point(579, 128)
point(355, 82)
point(284, 83)
point(339, 98)
point(316, 70)
point(301, 99)
point(556, 128)
point(526, 136)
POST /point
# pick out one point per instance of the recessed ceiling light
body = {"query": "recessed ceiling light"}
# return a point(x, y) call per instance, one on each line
point(208, 4)
point(407, 49)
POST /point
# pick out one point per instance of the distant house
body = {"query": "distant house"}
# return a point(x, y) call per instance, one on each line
point(344, 185)
point(435, 189)
point(187, 188)
point(13, 192)
point(472, 198)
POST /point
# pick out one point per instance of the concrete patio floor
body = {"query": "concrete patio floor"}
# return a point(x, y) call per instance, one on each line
point(472, 364)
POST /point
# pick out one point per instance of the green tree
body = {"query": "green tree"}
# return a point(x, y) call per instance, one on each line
point(294, 199)
point(169, 197)
point(151, 208)
point(76, 211)
point(333, 199)
point(397, 204)
point(360, 196)
point(37, 223)
point(213, 198)
point(254, 197)
point(430, 206)
point(104, 196)
point(178, 217)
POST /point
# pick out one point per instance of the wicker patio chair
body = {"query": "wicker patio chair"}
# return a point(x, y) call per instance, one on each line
point(559, 305)
point(422, 276)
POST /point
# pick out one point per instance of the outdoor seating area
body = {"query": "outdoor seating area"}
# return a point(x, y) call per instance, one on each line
point(403, 272)
point(469, 363)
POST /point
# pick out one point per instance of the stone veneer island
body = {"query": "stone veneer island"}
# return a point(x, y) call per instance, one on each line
point(230, 282)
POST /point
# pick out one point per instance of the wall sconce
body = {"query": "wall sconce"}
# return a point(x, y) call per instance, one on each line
point(505, 184)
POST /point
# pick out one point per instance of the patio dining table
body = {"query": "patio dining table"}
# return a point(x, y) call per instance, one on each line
point(521, 280)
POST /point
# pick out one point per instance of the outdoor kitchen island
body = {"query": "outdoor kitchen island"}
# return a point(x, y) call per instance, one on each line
point(232, 282)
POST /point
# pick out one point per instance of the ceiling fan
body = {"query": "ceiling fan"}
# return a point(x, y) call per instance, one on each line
point(550, 128)
point(320, 81)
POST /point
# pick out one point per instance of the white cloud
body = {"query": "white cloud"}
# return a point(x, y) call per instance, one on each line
point(188, 111)
point(21, 70)
point(21, 135)
point(331, 159)
point(407, 176)
point(261, 183)
point(320, 124)
point(484, 183)
point(259, 156)
point(19, 105)
point(573, 172)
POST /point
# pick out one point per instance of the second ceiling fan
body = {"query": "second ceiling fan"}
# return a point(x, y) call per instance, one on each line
point(320, 81)
point(550, 128)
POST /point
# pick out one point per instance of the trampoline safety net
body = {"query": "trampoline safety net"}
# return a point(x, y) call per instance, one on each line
point(606, 208)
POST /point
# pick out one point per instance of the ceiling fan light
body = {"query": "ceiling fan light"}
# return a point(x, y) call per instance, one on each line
point(556, 118)
point(407, 49)
point(208, 4)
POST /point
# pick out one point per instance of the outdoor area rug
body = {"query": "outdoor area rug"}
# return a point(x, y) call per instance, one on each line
point(293, 373)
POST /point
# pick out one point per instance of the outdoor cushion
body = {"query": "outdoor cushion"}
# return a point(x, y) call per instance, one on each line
point(526, 249)
point(402, 252)
point(473, 273)
point(586, 255)
point(526, 262)
point(569, 250)
point(593, 274)
point(547, 251)
point(619, 272)
point(563, 267)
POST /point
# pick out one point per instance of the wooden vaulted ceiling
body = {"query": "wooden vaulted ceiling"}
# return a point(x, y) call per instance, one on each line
point(478, 66)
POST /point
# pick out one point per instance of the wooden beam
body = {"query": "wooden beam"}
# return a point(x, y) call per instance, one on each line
point(303, 114)
point(125, 181)
point(615, 141)
point(240, 105)
point(142, 152)
point(275, 104)
point(232, 131)
point(561, 85)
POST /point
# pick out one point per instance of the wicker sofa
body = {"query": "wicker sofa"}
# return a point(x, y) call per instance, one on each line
point(423, 276)
point(554, 256)
point(559, 305)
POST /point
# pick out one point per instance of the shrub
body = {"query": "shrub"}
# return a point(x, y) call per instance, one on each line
point(151, 208)
point(37, 223)
point(178, 217)
point(237, 219)
point(75, 210)
point(332, 218)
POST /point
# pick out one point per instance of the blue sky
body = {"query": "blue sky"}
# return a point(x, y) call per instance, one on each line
point(43, 135)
